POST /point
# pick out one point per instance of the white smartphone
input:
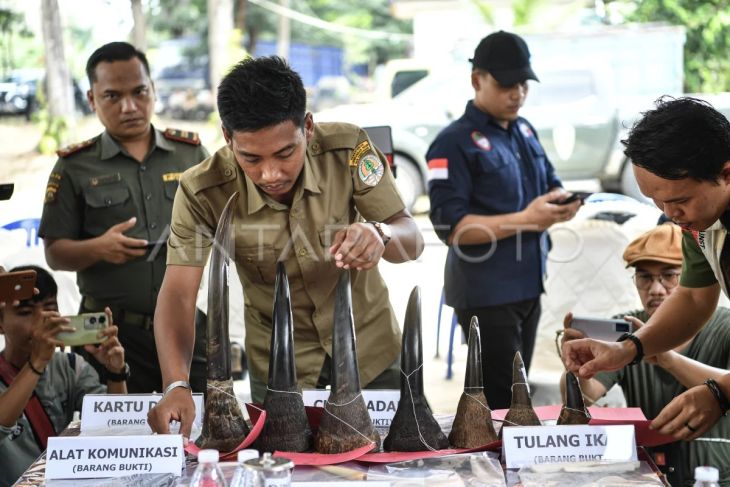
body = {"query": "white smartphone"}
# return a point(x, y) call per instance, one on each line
point(602, 329)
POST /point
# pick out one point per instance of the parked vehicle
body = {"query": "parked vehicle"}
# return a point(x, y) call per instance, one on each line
point(18, 93)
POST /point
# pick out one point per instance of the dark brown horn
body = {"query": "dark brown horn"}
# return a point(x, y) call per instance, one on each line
point(413, 428)
point(345, 424)
point(473, 422)
point(520, 410)
point(286, 427)
point(574, 410)
point(224, 426)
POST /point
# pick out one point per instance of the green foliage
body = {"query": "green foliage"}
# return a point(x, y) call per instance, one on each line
point(55, 130)
point(525, 11)
point(706, 60)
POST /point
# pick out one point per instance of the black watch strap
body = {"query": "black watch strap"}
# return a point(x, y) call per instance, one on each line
point(639, 347)
point(118, 377)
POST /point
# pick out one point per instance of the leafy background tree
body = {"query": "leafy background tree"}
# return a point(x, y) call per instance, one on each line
point(707, 49)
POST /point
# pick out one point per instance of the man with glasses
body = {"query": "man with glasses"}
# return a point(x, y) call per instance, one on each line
point(652, 384)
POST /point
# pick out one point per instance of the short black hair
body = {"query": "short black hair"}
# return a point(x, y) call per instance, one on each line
point(114, 51)
point(44, 282)
point(680, 138)
point(260, 93)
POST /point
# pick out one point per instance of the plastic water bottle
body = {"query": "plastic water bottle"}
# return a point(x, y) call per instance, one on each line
point(242, 477)
point(706, 477)
point(208, 474)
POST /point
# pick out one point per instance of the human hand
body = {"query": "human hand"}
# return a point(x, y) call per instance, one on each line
point(177, 405)
point(116, 248)
point(110, 352)
point(358, 246)
point(543, 213)
point(43, 340)
point(568, 332)
point(586, 357)
point(689, 415)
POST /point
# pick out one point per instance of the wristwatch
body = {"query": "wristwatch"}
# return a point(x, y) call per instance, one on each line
point(120, 376)
point(383, 230)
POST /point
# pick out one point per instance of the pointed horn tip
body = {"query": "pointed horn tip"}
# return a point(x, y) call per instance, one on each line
point(518, 360)
point(474, 323)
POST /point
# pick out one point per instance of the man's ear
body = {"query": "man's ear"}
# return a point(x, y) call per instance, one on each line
point(308, 126)
point(475, 80)
point(226, 135)
point(90, 99)
point(725, 172)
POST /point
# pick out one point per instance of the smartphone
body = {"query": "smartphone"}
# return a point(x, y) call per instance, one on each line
point(6, 191)
point(578, 195)
point(87, 326)
point(17, 286)
point(602, 329)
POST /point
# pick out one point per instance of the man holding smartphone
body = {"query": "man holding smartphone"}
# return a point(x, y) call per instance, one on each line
point(109, 197)
point(493, 194)
point(650, 385)
point(41, 388)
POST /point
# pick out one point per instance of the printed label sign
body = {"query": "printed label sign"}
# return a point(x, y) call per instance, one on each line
point(125, 411)
point(529, 445)
point(381, 403)
point(81, 457)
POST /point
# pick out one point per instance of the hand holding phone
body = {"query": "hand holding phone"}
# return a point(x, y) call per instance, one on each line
point(87, 327)
point(17, 286)
point(577, 195)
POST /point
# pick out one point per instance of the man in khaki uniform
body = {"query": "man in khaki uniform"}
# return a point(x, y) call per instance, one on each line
point(320, 198)
point(108, 205)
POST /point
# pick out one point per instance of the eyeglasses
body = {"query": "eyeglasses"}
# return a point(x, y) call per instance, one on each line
point(668, 279)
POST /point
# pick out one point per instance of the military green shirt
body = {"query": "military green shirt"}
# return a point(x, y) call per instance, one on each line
point(696, 271)
point(343, 180)
point(61, 390)
point(651, 388)
point(96, 185)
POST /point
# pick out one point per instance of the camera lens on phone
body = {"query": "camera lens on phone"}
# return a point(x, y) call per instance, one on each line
point(92, 320)
point(102, 319)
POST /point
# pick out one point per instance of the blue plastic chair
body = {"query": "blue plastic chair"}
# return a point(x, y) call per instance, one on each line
point(30, 225)
point(454, 324)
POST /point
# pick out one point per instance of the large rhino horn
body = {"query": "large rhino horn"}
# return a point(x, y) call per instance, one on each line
point(574, 410)
point(520, 411)
point(286, 427)
point(472, 425)
point(413, 428)
point(224, 426)
point(346, 424)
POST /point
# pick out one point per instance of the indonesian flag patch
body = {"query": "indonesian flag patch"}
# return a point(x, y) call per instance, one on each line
point(438, 169)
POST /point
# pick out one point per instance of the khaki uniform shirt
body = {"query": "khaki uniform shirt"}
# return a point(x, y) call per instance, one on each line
point(97, 185)
point(61, 391)
point(343, 181)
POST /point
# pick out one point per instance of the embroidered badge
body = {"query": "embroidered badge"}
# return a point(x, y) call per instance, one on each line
point(72, 149)
point(361, 149)
point(54, 181)
point(105, 179)
point(526, 130)
point(370, 169)
point(182, 136)
point(171, 176)
point(481, 140)
point(438, 169)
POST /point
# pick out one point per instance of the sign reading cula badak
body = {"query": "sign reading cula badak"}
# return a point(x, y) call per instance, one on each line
point(381, 403)
point(125, 411)
point(529, 445)
point(80, 457)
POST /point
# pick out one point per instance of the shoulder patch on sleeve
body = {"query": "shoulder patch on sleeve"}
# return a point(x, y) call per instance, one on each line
point(182, 136)
point(54, 181)
point(361, 149)
point(74, 148)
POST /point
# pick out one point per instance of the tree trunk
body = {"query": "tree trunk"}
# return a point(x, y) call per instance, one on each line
point(283, 35)
point(220, 26)
point(139, 32)
point(59, 92)
point(240, 23)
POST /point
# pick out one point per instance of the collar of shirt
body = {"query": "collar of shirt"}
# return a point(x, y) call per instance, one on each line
point(480, 118)
point(110, 147)
point(257, 199)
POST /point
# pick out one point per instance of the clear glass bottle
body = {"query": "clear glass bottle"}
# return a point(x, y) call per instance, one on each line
point(242, 477)
point(706, 477)
point(268, 471)
point(208, 473)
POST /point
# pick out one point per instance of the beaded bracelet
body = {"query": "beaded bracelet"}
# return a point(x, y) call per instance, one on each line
point(719, 395)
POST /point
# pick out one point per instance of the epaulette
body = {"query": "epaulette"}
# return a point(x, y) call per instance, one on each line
point(74, 148)
point(182, 136)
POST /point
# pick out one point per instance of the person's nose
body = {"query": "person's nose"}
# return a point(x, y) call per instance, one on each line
point(270, 173)
point(657, 288)
point(128, 104)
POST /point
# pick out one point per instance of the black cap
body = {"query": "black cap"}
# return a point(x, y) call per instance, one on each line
point(505, 56)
